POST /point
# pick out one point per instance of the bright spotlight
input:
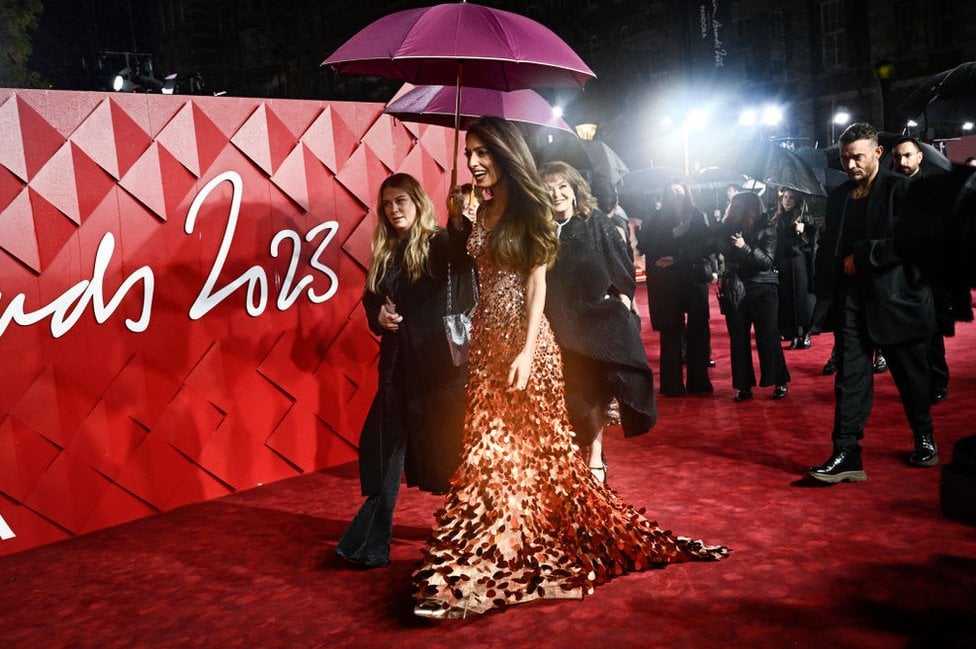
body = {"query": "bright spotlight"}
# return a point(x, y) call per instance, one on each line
point(967, 126)
point(557, 112)
point(748, 117)
point(911, 123)
point(666, 122)
point(696, 119)
point(841, 117)
point(122, 82)
point(772, 115)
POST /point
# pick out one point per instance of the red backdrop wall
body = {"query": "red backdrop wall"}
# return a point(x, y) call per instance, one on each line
point(179, 296)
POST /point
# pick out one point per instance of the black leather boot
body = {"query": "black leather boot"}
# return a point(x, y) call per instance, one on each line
point(843, 466)
point(926, 453)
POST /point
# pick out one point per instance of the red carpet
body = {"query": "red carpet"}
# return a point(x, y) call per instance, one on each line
point(873, 564)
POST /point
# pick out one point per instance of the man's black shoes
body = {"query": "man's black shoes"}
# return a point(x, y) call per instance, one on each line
point(925, 453)
point(843, 466)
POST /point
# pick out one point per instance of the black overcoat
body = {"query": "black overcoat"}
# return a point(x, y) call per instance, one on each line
point(898, 304)
point(677, 289)
point(420, 393)
point(591, 269)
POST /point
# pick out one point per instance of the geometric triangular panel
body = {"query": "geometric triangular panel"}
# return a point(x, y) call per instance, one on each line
point(28, 140)
point(264, 139)
point(292, 175)
point(158, 181)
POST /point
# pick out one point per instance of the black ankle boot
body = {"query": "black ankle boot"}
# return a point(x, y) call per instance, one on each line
point(843, 466)
point(926, 453)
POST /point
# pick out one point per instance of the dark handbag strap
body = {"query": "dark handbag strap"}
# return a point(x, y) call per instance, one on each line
point(450, 290)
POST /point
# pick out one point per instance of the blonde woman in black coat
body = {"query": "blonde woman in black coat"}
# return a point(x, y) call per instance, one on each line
point(416, 420)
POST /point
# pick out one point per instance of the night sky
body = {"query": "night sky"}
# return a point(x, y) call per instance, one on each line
point(72, 31)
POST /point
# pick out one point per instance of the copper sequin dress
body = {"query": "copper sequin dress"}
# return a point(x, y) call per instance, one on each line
point(524, 517)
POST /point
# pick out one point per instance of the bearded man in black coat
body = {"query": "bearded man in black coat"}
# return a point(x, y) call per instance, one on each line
point(878, 299)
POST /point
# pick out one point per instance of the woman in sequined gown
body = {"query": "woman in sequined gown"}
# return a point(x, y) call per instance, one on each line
point(524, 518)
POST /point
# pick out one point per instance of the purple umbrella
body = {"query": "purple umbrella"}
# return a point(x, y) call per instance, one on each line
point(497, 49)
point(461, 44)
point(436, 105)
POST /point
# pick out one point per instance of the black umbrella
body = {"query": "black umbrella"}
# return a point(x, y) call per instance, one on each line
point(775, 165)
point(829, 177)
point(949, 93)
point(590, 157)
point(639, 189)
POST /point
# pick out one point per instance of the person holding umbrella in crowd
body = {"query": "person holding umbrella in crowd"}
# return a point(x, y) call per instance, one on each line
point(796, 236)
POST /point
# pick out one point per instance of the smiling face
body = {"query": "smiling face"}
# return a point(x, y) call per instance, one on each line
point(860, 160)
point(563, 196)
point(482, 165)
point(399, 209)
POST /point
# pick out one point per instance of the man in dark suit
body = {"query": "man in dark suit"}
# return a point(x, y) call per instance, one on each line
point(877, 300)
point(906, 159)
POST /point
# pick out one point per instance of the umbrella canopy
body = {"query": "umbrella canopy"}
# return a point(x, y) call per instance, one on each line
point(829, 177)
point(436, 105)
point(590, 157)
point(951, 91)
point(465, 45)
point(775, 165)
point(494, 48)
point(640, 189)
point(716, 178)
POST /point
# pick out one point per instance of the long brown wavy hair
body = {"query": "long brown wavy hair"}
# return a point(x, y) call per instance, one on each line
point(386, 240)
point(525, 236)
point(585, 201)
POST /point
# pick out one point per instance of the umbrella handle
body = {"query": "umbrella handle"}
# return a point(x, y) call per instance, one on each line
point(457, 126)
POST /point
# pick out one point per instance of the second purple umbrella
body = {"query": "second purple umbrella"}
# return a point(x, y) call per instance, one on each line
point(436, 105)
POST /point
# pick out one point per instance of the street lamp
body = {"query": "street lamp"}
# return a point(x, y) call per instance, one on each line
point(967, 126)
point(841, 118)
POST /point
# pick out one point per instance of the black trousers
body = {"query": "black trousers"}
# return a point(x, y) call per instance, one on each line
point(937, 364)
point(367, 539)
point(695, 332)
point(759, 309)
point(854, 381)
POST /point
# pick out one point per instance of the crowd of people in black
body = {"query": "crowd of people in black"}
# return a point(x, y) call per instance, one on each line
point(556, 352)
